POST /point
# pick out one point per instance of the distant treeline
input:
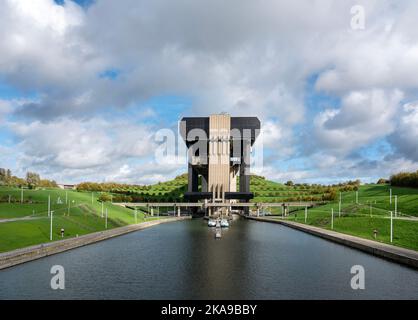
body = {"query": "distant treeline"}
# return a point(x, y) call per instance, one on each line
point(32, 180)
point(405, 179)
point(110, 187)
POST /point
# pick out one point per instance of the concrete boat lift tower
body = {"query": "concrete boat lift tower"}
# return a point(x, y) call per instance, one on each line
point(219, 148)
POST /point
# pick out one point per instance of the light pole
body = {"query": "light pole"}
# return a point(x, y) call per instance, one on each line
point(391, 227)
point(396, 206)
point(50, 227)
point(49, 205)
point(306, 213)
point(66, 197)
point(332, 218)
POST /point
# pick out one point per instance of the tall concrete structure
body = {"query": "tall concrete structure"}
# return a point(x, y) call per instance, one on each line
point(219, 148)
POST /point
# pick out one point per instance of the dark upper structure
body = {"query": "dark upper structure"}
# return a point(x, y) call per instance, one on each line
point(219, 150)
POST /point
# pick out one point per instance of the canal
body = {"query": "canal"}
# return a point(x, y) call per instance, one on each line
point(183, 260)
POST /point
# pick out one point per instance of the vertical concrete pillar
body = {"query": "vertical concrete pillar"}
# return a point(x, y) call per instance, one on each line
point(178, 211)
point(244, 170)
point(152, 211)
point(193, 179)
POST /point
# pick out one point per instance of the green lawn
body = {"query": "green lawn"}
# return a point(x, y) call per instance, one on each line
point(84, 216)
point(371, 213)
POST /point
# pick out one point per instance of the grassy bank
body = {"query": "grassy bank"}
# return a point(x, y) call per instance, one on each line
point(372, 212)
point(77, 212)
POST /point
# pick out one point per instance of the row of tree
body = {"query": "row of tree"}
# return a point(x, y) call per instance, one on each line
point(405, 179)
point(109, 187)
point(32, 180)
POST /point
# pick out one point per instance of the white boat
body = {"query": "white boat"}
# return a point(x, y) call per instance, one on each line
point(218, 223)
point(224, 223)
point(218, 233)
point(211, 223)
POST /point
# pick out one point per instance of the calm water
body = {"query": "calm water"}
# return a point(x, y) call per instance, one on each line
point(182, 260)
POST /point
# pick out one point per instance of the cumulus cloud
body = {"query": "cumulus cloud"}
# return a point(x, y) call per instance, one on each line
point(364, 116)
point(77, 145)
point(241, 57)
point(405, 138)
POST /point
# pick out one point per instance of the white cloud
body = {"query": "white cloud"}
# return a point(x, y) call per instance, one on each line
point(405, 138)
point(242, 57)
point(5, 109)
point(72, 144)
point(363, 117)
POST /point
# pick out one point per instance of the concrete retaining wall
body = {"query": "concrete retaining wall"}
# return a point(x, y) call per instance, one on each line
point(12, 258)
point(400, 255)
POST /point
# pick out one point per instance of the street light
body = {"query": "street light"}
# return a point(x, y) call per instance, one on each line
point(391, 227)
point(50, 229)
point(49, 205)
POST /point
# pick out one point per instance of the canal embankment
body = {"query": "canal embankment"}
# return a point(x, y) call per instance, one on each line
point(400, 255)
point(18, 256)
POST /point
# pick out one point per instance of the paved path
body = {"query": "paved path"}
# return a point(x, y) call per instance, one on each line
point(397, 254)
point(19, 219)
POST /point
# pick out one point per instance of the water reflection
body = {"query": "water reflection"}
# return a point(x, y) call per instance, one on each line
point(183, 260)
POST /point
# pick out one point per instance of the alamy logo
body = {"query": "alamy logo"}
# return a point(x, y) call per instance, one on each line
point(358, 280)
point(358, 20)
point(58, 280)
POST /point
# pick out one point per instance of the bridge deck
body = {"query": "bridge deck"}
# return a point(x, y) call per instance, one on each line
point(219, 204)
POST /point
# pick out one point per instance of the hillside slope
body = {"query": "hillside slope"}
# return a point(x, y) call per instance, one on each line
point(173, 190)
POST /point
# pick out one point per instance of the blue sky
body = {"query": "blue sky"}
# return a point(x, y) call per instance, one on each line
point(86, 86)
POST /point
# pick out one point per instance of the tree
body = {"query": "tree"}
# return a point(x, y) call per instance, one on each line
point(289, 183)
point(104, 197)
point(32, 179)
point(3, 177)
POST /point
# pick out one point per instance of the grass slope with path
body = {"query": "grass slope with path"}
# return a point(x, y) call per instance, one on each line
point(84, 216)
point(372, 212)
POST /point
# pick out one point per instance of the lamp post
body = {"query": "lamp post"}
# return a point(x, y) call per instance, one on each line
point(391, 227)
point(50, 227)
point(332, 218)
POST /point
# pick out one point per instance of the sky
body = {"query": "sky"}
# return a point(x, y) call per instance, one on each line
point(85, 86)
